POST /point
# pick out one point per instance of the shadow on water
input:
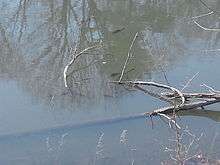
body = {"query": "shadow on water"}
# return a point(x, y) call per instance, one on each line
point(208, 113)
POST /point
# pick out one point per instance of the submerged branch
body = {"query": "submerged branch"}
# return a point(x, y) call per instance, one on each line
point(187, 106)
point(75, 56)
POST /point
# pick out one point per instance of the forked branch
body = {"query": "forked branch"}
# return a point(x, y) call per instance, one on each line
point(75, 56)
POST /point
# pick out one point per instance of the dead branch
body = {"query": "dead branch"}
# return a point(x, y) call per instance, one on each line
point(189, 81)
point(206, 29)
point(193, 95)
point(188, 100)
point(203, 15)
point(209, 8)
point(128, 56)
point(211, 50)
point(153, 94)
point(187, 106)
point(158, 85)
point(169, 119)
point(212, 90)
point(75, 56)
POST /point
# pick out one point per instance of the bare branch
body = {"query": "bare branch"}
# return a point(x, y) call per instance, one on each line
point(170, 120)
point(206, 29)
point(188, 106)
point(204, 4)
point(150, 83)
point(189, 81)
point(194, 100)
point(212, 90)
point(203, 15)
point(194, 95)
point(153, 94)
point(75, 56)
point(211, 50)
point(128, 56)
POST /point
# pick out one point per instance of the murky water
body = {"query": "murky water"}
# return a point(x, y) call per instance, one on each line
point(41, 120)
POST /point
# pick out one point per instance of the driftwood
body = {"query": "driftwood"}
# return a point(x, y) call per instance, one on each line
point(179, 100)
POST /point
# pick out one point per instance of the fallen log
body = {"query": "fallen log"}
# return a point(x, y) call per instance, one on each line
point(179, 101)
point(193, 95)
point(137, 85)
point(186, 106)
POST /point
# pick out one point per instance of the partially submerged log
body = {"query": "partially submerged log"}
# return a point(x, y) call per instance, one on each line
point(186, 106)
point(179, 101)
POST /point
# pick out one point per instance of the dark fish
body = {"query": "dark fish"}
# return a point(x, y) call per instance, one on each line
point(116, 74)
point(118, 30)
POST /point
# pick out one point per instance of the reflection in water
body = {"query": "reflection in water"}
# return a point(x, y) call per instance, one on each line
point(39, 37)
point(46, 43)
point(213, 115)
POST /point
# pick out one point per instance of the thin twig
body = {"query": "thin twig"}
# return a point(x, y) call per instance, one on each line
point(170, 120)
point(212, 90)
point(210, 50)
point(128, 56)
point(189, 81)
point(204, 4)
point(164, 74)
point(203, 15)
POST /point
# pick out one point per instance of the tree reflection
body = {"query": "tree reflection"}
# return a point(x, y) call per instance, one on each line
point(38, 40)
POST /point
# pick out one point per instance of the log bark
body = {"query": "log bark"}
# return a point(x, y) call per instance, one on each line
point(186, 106)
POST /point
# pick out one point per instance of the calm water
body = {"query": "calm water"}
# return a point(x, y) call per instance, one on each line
point(38, 114)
